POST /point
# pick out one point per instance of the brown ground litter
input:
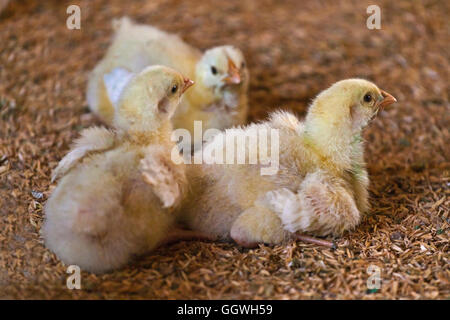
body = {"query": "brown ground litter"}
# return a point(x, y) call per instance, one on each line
point(294, 50)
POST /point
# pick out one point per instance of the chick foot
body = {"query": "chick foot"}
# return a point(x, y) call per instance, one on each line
point(257, 225)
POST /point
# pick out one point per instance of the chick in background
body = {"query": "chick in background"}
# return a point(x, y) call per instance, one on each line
point(219, 98)
point(321, 184)
point(118, 190)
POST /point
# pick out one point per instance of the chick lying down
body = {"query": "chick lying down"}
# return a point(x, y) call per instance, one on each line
point(118, 189)
point(321, 184)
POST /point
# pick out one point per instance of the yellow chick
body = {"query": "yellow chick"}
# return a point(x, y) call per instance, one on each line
point(119, 188)
point(219, 98)
point(320, 186)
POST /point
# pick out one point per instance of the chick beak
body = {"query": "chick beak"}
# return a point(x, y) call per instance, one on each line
point(388, 99)
point(187, 83)
point(234, 76)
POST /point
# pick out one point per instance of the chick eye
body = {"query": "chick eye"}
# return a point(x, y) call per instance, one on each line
point(243, 65)
point(174, 88)
point(367, 97)
point(213, 70)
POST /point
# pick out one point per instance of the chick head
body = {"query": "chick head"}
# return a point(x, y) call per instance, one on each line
point(352, 102)
point(221, 68)
point(150, 98)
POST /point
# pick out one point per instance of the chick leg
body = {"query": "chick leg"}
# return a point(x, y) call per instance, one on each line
point(320, 242)
point(322, 206)
point(179, 234)
point(258, 225)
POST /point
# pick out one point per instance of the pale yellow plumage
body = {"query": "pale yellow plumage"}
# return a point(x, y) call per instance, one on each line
point(118, 190)
point(321, 184)
point(218, 100)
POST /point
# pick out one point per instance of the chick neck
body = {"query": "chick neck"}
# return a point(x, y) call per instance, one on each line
point(153, 135)
point(333, 139)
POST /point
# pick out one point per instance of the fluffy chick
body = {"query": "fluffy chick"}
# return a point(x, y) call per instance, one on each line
point(321, 184)
point(119, 188)
point(219, 98)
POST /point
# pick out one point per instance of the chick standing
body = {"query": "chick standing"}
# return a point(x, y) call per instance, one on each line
point(321, 184)
point(119, 188)
point(219, 98)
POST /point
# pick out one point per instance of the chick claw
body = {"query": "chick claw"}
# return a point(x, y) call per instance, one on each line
point(157, 174)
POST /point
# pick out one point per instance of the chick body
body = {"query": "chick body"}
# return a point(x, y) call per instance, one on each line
point(119, 188)
point(103, 213)
point(218, 100)
point(321, 184)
